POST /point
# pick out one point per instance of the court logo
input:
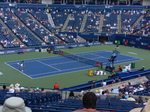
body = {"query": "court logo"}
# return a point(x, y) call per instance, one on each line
point(132, 42)
point(145, 44)
point(2, 52)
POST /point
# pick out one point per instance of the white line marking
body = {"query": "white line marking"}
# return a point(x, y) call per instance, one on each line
point(62, 71)
point(1, 73)
point(132, 53)
point(49, 65)
point(18, 70)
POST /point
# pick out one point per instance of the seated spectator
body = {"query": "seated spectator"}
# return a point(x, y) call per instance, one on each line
point(146, 100)
point(42, 90)
point(71, 94)
point(11, 89)
point(123, 98)
point(97, 93)
point(89, 102)
point(104, 83)
point(119, 79)
point(114, 81)
point(120, 68)
point(113, 75)
point(142, 69)
point(4, 89)
point(130, 98)
point(103, 96)
point(56, 86)
point(126, 95)
point(17, 88)
point(120, 95)
point(14, 104)
point(115, 91)
point(22, 90)
point(145, 109)
point(93, 85)
point(37, 90)
point(140, 100)
point(106, 91)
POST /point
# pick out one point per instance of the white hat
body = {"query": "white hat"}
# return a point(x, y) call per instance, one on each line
point(145, 109)
point(11, 86)
point(14, 104)
point(22, 88)
point(17, 85)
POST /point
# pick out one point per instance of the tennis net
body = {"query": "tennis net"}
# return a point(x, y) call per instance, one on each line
point(81, 59)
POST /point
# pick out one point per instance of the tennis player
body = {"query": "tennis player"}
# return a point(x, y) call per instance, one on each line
point(21, 64)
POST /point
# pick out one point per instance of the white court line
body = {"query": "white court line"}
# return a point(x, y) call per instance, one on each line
point(62, 70)
point(32, 60)
point(1, 73)
point(132, 53)
point(64, 62)
point(48, 65)
point(18, 70)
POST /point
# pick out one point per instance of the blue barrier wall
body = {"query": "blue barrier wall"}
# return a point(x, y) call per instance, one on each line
point(134, 41)
point(23, 50)
point(74, 6)
point(13, 51)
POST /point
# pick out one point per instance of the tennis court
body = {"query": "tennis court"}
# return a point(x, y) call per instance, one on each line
point(42, 67)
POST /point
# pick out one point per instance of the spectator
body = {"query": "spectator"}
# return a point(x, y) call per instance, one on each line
point(103, 96)
point(14, 104)
point(22, 89)
point(37, 90)
point(126, 95)
point(104, 83)
point(142, 69)
point(89, 101)
point(42, 90)
point(4, 88)
point(140, 100)
point(123, 97)
point(130, 98)
point(71, 94)
point(17, 88)
point(120, 95)
point(146, 100)
point(93, 85)
point(11, 89)
point(120, 68)
point(56, 86)
point(145, 109)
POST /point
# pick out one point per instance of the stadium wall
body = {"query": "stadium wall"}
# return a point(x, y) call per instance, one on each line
point(73, 6)
point(134, 41)
point(33, 49)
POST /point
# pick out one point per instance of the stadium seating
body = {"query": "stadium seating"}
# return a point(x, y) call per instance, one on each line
point(124, 76)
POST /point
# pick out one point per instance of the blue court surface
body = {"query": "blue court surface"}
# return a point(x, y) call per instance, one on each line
point(42, 67)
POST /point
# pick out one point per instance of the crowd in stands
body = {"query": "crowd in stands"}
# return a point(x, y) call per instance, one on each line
point(123, 94)
point(30, 24)
point(125, 91)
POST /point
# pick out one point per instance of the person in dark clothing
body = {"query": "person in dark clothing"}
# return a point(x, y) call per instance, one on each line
point(142, 69)
point(71, 94)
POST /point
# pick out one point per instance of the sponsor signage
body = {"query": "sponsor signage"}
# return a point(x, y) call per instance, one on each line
point(13, 51)
point(76, 45)
point(108, 43)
